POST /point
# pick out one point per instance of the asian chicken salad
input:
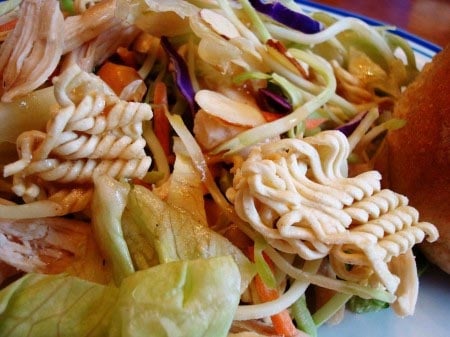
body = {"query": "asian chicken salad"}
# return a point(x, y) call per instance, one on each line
point(198, 168)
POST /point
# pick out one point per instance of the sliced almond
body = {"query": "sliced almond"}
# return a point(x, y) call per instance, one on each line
point(211, 131)
point(220, 24)
point(231, 111)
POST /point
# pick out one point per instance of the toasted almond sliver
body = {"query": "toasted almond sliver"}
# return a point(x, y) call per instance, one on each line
point(220, 24)
point(233, 112)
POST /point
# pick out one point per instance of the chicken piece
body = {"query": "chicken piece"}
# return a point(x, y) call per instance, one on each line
point(32, 50)
point(97, 50)
point(51, 245)
point(79, 29)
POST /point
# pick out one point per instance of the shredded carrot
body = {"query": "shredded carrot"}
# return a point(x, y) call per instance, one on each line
point(314, 122)
point(160, 121)
point(271, 116)
point(282, 322)
point(127, 56)
point(310, 123)
point(117, 76)
point(9, 25)
point(251, 256)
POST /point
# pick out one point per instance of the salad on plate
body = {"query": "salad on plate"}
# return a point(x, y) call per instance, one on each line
point(198, 168)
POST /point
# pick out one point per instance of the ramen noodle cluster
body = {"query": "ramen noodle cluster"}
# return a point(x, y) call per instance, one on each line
point(198, 168)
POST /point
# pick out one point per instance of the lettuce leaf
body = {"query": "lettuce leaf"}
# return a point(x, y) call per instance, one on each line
point(158, 18)
point(185, 189)
point(108, 204)
point(53, 305)
point(175, 235)
point(182, 298)
point(179, 299)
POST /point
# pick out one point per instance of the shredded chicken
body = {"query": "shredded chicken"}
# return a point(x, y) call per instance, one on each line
point(97, 50)
point(34, 244)
point(79, 29)
point(33, 49)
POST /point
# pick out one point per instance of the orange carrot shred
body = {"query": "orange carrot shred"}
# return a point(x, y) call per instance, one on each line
point(9, 25)
point(117, 76)
point(282, 321)
point(160, 121)
point(271, 116)
point(127, 57)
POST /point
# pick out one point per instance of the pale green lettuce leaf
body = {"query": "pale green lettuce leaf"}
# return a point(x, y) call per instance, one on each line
point(55, 305)
point(175, 235)
point(108, 204)
point(158, 18)
point(179, 299)
point(186, 188)
point(142, 252)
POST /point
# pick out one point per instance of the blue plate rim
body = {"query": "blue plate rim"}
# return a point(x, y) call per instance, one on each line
point(433, 48)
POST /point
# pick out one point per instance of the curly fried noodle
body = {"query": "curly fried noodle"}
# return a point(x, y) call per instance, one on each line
point(79, 144)
point(290, 190)
point(294, 193)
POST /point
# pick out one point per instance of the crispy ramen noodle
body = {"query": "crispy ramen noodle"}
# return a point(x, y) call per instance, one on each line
point(295, 192)
point(92, 132)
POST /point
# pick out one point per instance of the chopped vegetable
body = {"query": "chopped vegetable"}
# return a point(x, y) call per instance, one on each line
point(282, 322)
point(277, 11)
point(117, 76)
point(271, 101)
point(161, 126)
point(348, 128)
point(67, 6)
point(330, 308)
point(7, 26)
point(108, 204)
point(303, 317)
point(362, 305)
point(40, 305)
point(8, 5)
point(182, 77)
point(30, 112)
point(127, 56)
point(178, 299)
point(238, 89)
point(176, 235)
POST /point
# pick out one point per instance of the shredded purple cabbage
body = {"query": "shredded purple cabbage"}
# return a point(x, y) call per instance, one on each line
point(348, 128)
point(280, 13)
point(182, 78)
point(271, 101)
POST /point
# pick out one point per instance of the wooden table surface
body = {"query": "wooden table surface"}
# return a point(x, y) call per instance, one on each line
point(428, 19)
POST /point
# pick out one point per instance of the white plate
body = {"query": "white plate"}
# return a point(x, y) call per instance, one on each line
point(433, 306)
point(430, 319)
